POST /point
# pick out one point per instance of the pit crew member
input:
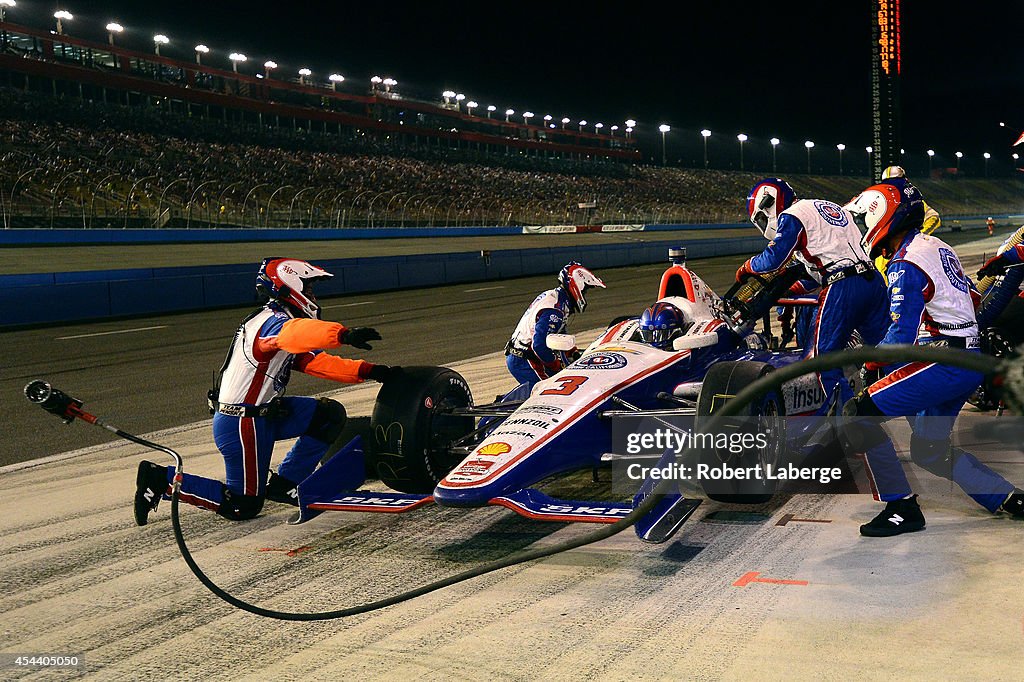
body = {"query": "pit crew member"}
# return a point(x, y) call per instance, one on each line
point(528, 357)
point(250, 410)
point(823, 236)
point(927, 286)
point(932, 220)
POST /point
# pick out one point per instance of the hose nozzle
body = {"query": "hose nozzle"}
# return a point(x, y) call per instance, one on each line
point(53, 400)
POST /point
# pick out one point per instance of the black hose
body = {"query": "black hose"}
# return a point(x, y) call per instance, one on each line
point(889, 354)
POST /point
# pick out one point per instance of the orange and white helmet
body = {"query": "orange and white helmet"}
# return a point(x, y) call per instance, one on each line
point(290, 282)
point(889, 207)
point(576, 279)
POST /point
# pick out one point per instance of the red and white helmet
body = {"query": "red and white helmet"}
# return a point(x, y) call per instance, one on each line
point(575, 279)
point(766, 201)
point(290, 282)
point(889, 207)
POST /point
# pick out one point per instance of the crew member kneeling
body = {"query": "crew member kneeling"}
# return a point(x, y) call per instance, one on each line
point(251, 413)
point(926, 285)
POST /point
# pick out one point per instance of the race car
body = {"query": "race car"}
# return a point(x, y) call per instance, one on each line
point(434, 445)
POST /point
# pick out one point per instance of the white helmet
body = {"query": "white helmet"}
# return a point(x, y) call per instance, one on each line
point(894, 172)
point(290, 282)
point(575, 279)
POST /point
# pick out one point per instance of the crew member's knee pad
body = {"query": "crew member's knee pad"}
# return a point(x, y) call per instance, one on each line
point(328, 421)
point(237, 507)
point(933, 456)
point(861, 427)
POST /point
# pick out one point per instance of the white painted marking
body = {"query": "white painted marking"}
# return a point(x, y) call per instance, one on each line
point(118, 331)
point(346, 305)
point(470, 291)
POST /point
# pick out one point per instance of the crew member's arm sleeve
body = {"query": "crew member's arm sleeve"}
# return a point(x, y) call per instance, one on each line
point(789, 237)
point(327, 366)
point(909, 290)
point(549, 321)
point(301, 335)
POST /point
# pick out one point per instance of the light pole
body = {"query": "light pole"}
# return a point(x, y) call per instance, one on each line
point(236, 58)
point(4, 4)
point(112, 28)
point(986, 156)
point(663, 128)
point(581, 124)
point(509, 112)
point(841, 147)
point(158, 40)
point(931, 153)
point(458, 98)
point(597, 128)
point(448, 95)
point(491, 109)
point(705, 134)
point(810, 146)
point(547, 120)
point(630, 124)
point(62, 15)
point(335, 78)
point(870, 150)
point(742, 137)
point(527, 115)
point(470, 106)
point(268, 66)
point(374, 82)
point(200, 51)
point(565, 122)
point(389, 83)
point(775, 143)
point(959, 155)
point(304, 73)
point(1015, 156)
point(613, 129)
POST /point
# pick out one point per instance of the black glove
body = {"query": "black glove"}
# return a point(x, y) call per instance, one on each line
point(382, 373)
point(573, 355)
point(357, 337)
point(993, 267)
point(871, 372)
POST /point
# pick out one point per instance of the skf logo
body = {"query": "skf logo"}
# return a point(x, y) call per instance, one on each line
point(494, 449)
point(617, 512)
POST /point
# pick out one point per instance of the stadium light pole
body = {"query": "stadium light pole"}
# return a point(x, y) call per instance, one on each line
point(112, 28)
point(841, 147)
point(986, 156)
point(1015, 156)
point(391, 82)
point(527, 115)
point(61, 16)
point(448, 95)
point(742, 137)
point(810, 146)
point(613, 129)
point(629, 132)
point(705, 134)
point(509, 112)
point(335, 78)
point(470, 106)
point(597, 128)
point(581, 124)
point(565, 122)
point(236, 59)
point(775, 143)
point(374, 82)
point(931, 154)
point(630, 124)
point(158, 40)
point(304, 73)
point(458, 98)
point(200, 51)
point(268, 66)
point(547, 120)
point(959, 155)
point(870, 150)
point(491, 109)
point(663, 129)
point(4, 4)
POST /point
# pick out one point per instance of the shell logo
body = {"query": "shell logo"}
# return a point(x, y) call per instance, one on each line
point(494, 449)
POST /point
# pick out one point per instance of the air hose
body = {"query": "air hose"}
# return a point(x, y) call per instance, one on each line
point(67, 408)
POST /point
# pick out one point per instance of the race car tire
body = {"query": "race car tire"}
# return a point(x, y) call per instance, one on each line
point(411, 431)
point(722, 381)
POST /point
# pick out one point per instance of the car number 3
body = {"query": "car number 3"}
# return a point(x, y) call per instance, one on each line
point(567, 385)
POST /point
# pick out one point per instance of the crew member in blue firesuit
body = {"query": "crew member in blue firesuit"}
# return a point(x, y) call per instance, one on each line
point(927, 286)
point(821, 235)
point(529, 359)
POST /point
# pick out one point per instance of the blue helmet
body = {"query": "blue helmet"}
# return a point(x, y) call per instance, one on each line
point(767, 199)
point(661, 323)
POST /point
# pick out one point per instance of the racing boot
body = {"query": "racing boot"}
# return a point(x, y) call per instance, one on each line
point(150, 485)
point(1014, 504)
point(899, 516)
point(280, 489)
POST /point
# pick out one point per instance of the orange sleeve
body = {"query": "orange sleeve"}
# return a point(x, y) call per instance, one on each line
point(327, 366)
point(301, 335)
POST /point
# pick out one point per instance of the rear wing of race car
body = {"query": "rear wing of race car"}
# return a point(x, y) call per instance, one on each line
point(335, 486)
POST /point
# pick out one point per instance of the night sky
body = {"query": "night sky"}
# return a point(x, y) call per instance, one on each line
point(793, 70)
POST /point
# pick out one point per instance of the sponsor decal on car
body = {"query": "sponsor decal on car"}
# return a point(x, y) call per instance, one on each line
point(513, 432)
point(478, 467)
point(601, 360)
point(526, 421)
point(497, 448)
point(540, 409)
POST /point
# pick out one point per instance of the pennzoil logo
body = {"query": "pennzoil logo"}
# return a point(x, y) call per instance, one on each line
point(602, 360)
point(494, 449)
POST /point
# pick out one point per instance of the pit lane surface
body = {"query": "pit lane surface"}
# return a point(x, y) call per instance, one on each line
point(78, 577)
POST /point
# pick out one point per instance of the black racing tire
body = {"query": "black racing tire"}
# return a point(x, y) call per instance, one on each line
point(411, 432)
point(722, 381)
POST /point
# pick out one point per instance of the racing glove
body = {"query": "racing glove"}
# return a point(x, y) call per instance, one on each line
point(382, 373)
point(872, 372)
point(994, 266)
point(745, 272)
point(359, 337)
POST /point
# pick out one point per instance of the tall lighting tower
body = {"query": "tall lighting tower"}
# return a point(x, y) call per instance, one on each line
point(885, 84)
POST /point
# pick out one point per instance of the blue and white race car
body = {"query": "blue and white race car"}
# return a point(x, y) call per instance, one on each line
point(434, 445)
